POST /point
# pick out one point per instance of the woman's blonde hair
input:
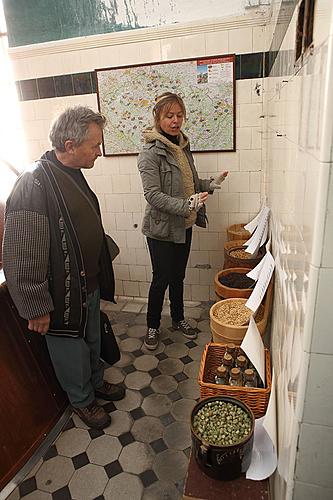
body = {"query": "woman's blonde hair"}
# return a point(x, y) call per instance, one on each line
point(162, 105)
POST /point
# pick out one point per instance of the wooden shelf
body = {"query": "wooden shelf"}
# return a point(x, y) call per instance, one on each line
point(199, 486)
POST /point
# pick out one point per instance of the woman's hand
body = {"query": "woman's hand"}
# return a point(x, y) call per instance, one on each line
point(203, 197)
point(197, 200)
point(216, 182)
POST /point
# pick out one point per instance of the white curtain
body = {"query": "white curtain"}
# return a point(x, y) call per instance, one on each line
point(12, 145)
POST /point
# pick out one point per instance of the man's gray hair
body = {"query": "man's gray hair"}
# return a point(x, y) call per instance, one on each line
point(72, 125)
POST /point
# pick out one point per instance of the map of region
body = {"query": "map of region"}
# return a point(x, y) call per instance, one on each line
point(127, 97)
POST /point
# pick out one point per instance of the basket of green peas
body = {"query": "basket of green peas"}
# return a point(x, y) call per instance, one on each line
point(222, 436)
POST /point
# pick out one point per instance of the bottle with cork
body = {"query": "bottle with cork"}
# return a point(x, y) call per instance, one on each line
point(250, 379)
point(222, 375)
point(236, 377)
point(232, 350)
point(241, 362)
point(228, 361)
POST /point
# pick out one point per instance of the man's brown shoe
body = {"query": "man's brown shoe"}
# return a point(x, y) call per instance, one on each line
point(94, 416)
point(110, 392)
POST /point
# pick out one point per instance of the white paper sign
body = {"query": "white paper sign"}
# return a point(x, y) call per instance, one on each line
point(255, 272)
point(264, 455)
point(264, 458)
point(253, 244)
point(259, 290)
point(250, 226)
point(254, 348)
point(265, 234)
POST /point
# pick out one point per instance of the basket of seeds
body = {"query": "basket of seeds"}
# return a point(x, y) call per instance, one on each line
point(222, 436)
point(233, 283)
point(255, 397)
point(229, 320)
point(237, 232)
point(235, 255)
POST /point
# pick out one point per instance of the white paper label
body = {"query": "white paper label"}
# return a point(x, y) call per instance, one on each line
point(250, 226)
point(264, 457)
point(260, 235)
point(259, 290)
point(254, 348)
point(255, 272)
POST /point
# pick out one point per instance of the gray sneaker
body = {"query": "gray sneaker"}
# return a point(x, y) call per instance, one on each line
point(151, 338)
point(187, 330)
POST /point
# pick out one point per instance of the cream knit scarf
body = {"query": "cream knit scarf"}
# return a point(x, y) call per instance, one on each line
point(179, 154)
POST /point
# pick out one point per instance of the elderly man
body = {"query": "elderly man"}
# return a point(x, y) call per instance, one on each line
point(56, 261)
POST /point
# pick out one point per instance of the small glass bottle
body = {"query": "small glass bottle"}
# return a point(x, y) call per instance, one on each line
point(222, 375)
point(232, 350)
point(241, 362)
point(250, 379)
point(227, 361)
point(251, 366)
point(258, 378)
point(235, 377)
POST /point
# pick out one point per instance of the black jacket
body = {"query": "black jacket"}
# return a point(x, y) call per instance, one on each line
point(42, 258)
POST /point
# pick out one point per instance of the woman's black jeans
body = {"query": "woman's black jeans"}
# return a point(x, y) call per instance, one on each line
point(169, 262)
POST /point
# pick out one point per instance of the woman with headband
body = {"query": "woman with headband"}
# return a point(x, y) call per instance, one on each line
point(175, 202)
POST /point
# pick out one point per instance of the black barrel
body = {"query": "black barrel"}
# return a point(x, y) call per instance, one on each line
point(223, 462)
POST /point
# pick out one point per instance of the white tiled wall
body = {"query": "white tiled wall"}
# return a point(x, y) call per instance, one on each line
point(297, 143)
point(287, 155)
point(116, 180)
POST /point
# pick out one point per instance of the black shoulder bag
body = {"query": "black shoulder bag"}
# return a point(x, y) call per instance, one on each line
point(109, 347)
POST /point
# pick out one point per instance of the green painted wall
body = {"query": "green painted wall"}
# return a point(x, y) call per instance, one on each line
point(35, 21)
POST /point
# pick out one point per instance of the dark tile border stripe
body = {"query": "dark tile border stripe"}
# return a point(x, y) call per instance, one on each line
point(247, 66)
point(56, 86)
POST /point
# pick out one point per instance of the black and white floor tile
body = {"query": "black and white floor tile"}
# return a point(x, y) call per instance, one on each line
point(144, 453)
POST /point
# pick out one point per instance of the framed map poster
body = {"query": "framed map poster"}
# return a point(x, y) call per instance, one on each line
point(126, 96)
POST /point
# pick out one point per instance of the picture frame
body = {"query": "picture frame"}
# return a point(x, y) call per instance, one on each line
point(126, 96)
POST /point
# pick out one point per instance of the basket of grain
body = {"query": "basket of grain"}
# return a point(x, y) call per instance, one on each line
point(255, 397)
point(236, 256)
point(229, 320)
point(237, 232)
point(233, 282)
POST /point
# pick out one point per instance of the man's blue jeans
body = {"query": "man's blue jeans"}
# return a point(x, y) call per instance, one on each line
point(76, 361)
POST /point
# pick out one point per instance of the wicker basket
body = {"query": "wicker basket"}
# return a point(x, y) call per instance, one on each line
point(237, 232)
point(256, 398)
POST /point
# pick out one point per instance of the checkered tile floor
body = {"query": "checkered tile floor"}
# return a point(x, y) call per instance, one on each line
point(144, 453)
